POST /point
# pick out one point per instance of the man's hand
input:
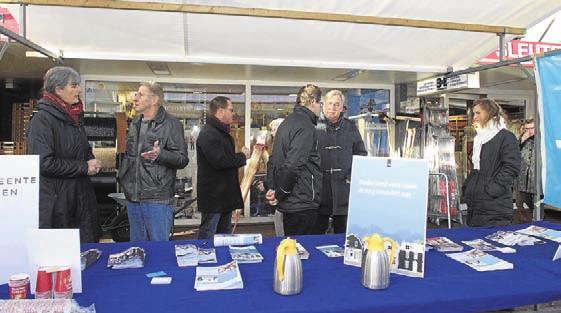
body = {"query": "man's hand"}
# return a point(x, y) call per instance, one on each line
point(236, 215)
point(270, 196)
point(246, 152)
point(93, 167)
point(152, 155)
point(260, 186)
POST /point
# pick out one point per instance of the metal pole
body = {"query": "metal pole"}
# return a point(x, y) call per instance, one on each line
point(30, 44)
point(501, 46)
point(4, 49)
point(536, 154)
point(23, 20)
point(538, 210)
point(547, 29)
point(494, 65)
point(247, 141)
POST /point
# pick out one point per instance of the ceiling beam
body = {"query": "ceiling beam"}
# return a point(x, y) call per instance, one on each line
point(269, 13)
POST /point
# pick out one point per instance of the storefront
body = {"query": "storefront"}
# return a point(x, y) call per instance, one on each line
point(256, 104)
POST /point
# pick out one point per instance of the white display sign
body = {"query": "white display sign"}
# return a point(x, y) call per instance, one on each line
point(389, 197)
point(19, 210)
point(444, 84)
point(54, 247)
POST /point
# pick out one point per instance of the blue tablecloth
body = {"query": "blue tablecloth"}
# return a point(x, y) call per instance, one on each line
point(329, 286)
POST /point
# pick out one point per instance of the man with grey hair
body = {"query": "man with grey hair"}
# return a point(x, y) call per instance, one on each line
point(56, 133)
point(156, 149)
point(338, 141)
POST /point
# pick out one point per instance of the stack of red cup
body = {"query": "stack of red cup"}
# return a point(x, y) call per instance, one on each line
point(44, 285)
point(18, 286)
point(63, 284)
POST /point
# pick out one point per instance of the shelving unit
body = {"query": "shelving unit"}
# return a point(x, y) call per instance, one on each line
point(440, 151)
point(21, 114)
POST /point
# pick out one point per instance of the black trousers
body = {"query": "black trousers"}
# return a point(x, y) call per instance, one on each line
point(322, 224)
point(299, 223)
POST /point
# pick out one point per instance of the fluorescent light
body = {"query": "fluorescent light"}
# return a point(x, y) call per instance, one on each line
point(34, 54)
point(159, 68)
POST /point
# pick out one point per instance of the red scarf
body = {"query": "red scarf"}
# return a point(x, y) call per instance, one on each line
point(73, 110)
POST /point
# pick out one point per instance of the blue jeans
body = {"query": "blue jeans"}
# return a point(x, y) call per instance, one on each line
point(149, 221)
point(215, 223)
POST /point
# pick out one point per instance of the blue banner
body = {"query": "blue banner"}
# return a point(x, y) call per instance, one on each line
point(548, 80)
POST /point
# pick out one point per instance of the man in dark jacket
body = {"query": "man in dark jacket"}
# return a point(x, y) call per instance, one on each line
point(56, 134)
point(338, 142)
point(156, 149)
point(218, 185)
point(296, 165)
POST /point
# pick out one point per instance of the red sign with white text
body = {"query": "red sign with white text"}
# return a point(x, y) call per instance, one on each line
point(517, 49)
point(8, 21)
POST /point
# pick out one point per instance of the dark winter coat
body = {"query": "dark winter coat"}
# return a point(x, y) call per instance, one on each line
point(338, 142)
point(296, 162)
point(218, 183)
point(526, 182)
point(488, 191)
point(67, 198)
point(153, 181)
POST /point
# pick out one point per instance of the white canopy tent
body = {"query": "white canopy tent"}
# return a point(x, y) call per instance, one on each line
point(109, 34)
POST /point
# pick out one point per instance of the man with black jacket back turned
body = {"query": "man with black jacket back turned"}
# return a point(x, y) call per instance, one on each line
point(218, 185)
point(296, 168)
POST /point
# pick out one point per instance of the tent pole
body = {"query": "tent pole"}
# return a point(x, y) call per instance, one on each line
point(31, 44)
point(501, 46)
point(538, 208)
point(23, 20)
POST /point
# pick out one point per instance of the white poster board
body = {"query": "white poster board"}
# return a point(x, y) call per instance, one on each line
point(54, 247)
point(19, 210)
point(389, 197)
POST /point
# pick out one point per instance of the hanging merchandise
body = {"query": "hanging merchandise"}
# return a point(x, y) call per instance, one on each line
point(439, 151)
point(408, 136)
point(376, 132)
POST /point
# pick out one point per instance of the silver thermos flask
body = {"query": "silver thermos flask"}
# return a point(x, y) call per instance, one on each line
point(288, 269)
point(376, 264)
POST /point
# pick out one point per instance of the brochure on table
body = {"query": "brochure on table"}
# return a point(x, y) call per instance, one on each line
point(19, 210)
point(389, 197)
point(54, 247)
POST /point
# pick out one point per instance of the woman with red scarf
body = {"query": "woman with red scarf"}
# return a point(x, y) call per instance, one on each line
point(56, 134)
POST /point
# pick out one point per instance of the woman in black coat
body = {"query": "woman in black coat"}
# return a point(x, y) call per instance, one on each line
point(56, 134)
point(338, 142)
point(496, 164)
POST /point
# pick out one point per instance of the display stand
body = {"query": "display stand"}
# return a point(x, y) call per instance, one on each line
point(439, 150)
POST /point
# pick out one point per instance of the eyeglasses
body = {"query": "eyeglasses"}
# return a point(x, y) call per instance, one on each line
point(138, 95)
point(528, 128)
